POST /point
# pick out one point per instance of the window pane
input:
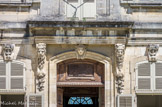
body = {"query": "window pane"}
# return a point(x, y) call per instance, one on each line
point(144, 69)
point(144, 83)
point(2, 68)
point(158, 67)
point(2, 83)
point(16, 83)
point(158, 83)
point(80, 100)
point(16, 69)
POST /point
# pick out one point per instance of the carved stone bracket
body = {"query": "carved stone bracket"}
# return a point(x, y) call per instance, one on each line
point(152, 50)
point(8, 52)
point(119, 82)
point(119, 52)
point(80, 51)
point(41, 56)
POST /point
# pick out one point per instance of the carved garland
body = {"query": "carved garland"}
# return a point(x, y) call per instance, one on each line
point(41, 51)
point(152, 50)
point(8, 52)
point(119, 52)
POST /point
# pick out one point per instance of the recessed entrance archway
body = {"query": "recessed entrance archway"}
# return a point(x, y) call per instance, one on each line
point(108, 75)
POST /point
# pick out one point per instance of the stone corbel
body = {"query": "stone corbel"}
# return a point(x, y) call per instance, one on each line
point(8, 52)
point(80, 51)
point(41, 57)
point(119, 53)
point(152, 50)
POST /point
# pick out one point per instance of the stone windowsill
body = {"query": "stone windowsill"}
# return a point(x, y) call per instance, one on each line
point(144, 4)
point(18, 4)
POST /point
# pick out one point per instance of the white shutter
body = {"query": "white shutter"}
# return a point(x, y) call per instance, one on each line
point(158, 75)
point(2, 69)
point(144, 83)
point(144, 76)
point(16, 69)
point(144, 69)
point(2, 82)
point(35, 100)
point(125, 101)
point(70, 9)
point(89, 9)
point(17, 83)
point(17, 76)
point(2, 75)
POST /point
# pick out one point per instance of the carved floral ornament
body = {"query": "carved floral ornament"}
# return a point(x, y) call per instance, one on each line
point(41, 56)
point(152, 50)
point(119, 52)
point(80, 51)
point(8, 51)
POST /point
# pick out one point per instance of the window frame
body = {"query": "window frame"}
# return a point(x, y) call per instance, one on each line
point(152, 78)
point(81, 14)
point(8, 76)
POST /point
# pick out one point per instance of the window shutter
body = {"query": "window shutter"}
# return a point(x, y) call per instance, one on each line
point(144, 69)
point(17, 78)
point(2, 75)
point(144, 76)
point(35, 101)
point(2, 82)
point(125, 101)
point(17, 83)
point(158, 67)
point(2, 69)
point(16, 69)
point(158, 75)
point(144, 83)
point(89, 9)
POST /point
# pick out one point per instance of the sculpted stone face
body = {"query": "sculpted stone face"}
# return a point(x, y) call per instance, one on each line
point(41, 52)
point(120, 52)
point(152, 51)
point(8, 51)
point(80, 51)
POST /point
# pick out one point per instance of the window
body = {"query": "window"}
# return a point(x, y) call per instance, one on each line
point(125, 101)
point(12, 101)
point(80, 100)
point(35, 100)
point(12, 75)
point(80, 9)
point(149, 76)
point(149, 100)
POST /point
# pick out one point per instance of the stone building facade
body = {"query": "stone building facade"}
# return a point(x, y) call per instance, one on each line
point(64, 53)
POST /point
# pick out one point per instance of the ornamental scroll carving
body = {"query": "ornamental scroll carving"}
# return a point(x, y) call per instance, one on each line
point(80, 51)
point(119, 52)
point(152, 50)
point(8, 51)
point(41, 56)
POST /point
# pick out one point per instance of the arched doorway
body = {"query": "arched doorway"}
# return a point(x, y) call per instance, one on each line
point(55, 86)
point(79, 82)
